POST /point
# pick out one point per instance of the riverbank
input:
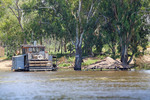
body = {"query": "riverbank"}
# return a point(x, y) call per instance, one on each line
point(142, 62)
point(5, 65)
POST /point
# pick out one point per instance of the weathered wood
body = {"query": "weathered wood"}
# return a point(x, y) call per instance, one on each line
point(39, 67)
point(34, 64)
point(39, 62)
point(50, 69)
point(48, 64)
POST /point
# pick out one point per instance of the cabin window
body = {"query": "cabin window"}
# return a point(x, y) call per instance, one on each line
point(30, 49)
point(34, 50)
point(41, 49)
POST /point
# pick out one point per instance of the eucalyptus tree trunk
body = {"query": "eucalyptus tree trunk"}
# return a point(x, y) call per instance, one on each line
point(61, 46)
point(65, 47)
point(58, 48)
point(124, 49)
point(113, 50)
point(78, 58)
point(55, 45)
point(79, 37)
point(124, 55)
point(78, 48)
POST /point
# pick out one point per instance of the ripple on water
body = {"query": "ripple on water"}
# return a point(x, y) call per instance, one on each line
point(75, 85)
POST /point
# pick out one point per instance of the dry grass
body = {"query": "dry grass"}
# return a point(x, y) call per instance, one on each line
point(143, 62)
point(3, 58)
point(6, 65)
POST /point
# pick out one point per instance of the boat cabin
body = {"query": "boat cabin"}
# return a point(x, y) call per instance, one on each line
point(32, 49)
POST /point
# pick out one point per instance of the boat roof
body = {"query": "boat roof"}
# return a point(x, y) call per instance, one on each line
point(32, 46)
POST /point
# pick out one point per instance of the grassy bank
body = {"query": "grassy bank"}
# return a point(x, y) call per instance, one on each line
point(69, 61)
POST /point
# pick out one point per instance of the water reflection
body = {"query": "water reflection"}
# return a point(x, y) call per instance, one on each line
point(75, 85)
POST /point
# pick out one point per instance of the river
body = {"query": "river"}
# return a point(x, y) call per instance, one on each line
point(75, 85)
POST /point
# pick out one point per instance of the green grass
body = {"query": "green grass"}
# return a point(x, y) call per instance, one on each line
point(64, 65)
point(89, 62)
point(71, 59)
point(101, 56)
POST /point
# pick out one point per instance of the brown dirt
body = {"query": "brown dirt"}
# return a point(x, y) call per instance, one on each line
point(5, 65)
point(107, 63)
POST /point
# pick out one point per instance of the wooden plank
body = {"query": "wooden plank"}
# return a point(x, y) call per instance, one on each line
point(43, 64)
point(34, 64)
point(31, 61)
point(40, 67)
point(39, 62)
point(31, 64)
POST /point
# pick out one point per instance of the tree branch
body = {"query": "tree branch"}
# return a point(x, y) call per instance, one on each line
point(73, 14)
point(130, 58)
point(19, 14)
point(81, 37)
point(77, 33)
point(90, 11)
point(115, 11)
point(13, 12)
point(79, 10)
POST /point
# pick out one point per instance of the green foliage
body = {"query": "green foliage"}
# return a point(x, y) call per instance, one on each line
point(124, 26)
point(70, 47)
point(10, 33)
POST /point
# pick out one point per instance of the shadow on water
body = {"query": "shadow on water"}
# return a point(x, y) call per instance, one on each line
point(75, 85)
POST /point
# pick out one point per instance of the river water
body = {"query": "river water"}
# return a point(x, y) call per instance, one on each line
point(75, 85)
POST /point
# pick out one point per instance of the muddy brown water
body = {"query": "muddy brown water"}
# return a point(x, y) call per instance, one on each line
point(75, 85)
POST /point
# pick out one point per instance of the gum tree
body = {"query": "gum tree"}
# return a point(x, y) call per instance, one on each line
point(79, 17)
point(128, 23)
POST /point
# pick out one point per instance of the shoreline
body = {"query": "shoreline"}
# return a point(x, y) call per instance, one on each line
point(5, 65)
